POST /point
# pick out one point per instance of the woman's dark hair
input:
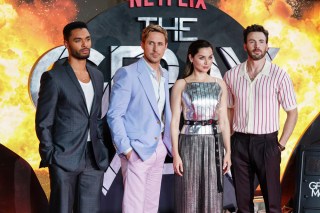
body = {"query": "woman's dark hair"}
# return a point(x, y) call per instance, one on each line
point(193, 50)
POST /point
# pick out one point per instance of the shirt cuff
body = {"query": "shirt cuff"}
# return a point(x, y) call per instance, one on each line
point(127, 151)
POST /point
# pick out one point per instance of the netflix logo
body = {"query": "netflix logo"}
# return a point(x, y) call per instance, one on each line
point(197, 4)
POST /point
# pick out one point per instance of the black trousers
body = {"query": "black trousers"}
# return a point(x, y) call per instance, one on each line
point(260, 155)
point(78, 191)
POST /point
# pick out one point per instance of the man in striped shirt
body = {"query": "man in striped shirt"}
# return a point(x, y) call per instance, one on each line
point(257, 88)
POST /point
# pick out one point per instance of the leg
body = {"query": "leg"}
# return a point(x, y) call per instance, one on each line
point(153, 181)
point(89, 185)
point(63, 186)
point(134, 176)
point(268, 158)
point(242, 172)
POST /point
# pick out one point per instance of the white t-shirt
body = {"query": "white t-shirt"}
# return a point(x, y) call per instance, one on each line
point(88, 94)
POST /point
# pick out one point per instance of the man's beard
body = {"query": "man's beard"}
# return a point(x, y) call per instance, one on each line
point(78, 55)
point(257, 57)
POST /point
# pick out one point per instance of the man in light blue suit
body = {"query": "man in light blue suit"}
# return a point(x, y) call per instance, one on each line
point(139, 118)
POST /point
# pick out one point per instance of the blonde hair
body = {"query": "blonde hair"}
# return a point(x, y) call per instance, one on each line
point(153, 28)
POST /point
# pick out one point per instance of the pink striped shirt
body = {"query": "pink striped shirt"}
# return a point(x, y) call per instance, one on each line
point(256, 103)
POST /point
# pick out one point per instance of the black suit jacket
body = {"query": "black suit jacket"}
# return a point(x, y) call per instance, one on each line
point(62, 119)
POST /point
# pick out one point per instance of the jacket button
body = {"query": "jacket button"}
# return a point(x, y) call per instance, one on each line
point(156, 138)
point(158, 122)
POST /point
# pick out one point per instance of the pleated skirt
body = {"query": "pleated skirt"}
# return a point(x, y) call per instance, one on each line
point(196, 191)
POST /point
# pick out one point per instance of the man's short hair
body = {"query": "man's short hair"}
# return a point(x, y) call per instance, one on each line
point(153, 28)
point(254, 28)
point(71, 26)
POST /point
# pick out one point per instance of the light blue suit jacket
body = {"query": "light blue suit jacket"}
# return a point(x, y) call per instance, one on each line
point(133, 114)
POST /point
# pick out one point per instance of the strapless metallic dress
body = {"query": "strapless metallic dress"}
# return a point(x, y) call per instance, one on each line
point(201, 151)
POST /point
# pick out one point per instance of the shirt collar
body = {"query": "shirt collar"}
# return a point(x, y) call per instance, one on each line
point(265, 70)
point(151, 70)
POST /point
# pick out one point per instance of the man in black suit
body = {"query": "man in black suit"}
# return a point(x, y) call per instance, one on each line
point(69, 127)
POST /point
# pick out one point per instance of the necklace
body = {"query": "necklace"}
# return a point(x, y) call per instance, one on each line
point(252, 75)
point(83, 76)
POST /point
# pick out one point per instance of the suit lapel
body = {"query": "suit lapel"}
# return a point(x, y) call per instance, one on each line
point(94, 84)
point(75, 81)
point(147, 86)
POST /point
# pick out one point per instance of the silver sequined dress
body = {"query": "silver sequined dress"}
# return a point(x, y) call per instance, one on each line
point(196, 191)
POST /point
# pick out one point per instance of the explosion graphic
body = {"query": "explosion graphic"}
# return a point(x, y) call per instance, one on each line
point(27, 31)
point(30, 29)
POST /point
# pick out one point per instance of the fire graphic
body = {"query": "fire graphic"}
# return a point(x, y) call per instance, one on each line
point(298, 40)
point(29, 30)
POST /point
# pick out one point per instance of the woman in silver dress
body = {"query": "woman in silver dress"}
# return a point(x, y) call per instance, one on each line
point(200, 156)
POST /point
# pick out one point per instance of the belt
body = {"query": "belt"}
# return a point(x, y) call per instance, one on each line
point(219, 182)
point(202, 123)
point(268, 135)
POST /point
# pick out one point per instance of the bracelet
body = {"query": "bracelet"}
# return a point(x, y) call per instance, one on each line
point(282, 148)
